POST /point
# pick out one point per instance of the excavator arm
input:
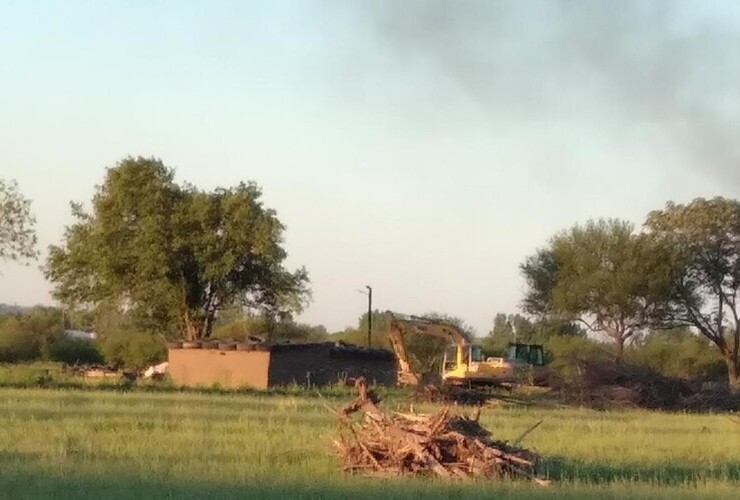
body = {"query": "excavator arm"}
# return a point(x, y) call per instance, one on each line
point(397, 325)
point(406, 375)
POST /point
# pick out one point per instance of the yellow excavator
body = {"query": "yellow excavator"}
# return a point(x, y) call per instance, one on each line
point(463, 363)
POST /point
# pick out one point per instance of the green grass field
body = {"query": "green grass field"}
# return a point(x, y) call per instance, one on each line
point(98, 444)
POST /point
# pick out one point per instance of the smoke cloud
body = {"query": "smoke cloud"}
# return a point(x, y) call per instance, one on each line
point(670, 67)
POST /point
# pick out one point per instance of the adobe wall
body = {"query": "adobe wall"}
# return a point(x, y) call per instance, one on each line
point(206, 367)
point(279, 365)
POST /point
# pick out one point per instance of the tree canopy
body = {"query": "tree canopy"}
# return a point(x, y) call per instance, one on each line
point(173, 255)
point(705, 238)
point(17, 233)
point(509, 328)
point(602, 275)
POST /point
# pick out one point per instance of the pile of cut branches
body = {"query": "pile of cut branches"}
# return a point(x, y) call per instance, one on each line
point(607, 384)
point(445, 445)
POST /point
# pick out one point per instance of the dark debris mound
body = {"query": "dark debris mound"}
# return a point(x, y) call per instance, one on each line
point(446, 394)
point(608, 384)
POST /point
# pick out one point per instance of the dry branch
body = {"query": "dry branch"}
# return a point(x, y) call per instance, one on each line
point(444, 445)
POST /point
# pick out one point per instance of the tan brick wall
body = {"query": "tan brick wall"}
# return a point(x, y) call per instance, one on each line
point(206, 367)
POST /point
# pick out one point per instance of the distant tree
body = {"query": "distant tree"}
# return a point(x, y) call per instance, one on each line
point(602, 275)
point(467, 330)
point(46, 325)
point(501, 334)
point(30, 335)
point(298, 332)
point(16, 344)
point(172, 256)
point(131, 348)
point(239, 323)
point(241, 328)
point(378, 322)
point(705, 238)
point(508, 328)
point(357, 336)
point(502, 326)
point(17, 233)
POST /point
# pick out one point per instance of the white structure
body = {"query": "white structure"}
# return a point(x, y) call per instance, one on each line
point(157, 370)
point(80, 335)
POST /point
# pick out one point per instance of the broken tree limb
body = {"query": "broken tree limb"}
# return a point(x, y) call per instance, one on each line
point(443, 445)
point(524, 434)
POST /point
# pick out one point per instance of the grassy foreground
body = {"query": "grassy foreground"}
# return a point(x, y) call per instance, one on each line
point(77, 444)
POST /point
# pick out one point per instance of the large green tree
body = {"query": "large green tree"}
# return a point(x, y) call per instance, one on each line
point(172, 255)
point(705, 237)
point(17, 233)
point(602, 275)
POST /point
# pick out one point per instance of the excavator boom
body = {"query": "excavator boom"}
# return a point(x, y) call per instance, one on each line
point(397, 325)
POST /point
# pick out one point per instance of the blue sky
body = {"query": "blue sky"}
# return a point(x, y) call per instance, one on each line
point(424, 148)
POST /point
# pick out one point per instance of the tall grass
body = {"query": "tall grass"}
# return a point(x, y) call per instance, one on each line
point(76, 444)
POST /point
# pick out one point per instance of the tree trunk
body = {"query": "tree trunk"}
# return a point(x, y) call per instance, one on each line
point(619, 349)
point(208, 325)
point(192, 332)
point(733, 373)
point(619, 340)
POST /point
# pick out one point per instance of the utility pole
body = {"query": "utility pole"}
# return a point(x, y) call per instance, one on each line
point(369, 314)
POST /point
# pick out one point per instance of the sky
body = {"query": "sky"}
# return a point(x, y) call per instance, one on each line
point(424, 148)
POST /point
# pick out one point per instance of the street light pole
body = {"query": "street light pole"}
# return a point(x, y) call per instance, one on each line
point(369, 314)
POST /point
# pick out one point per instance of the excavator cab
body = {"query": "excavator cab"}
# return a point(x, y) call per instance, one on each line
point(532, 354)
point(457, 356)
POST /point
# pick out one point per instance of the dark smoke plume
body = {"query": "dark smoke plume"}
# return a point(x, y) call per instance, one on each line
point(656, 65)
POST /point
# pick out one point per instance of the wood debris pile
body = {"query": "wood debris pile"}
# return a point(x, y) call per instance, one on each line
point(610, 384)
point(444, 445)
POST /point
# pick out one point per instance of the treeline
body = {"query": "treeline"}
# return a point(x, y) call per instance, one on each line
point(120, 339)
point(676, 353)
point(39, 334)
point(47, 334)
point(680, 271)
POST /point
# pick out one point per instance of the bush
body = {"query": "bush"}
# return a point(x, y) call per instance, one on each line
point(275, 331)
point(567, 353)
point(241, 329)
point(29, 336)
point(16, 344)
point(679, 353)
point(45, 325)
point(357, 336)
point(132, 349)
point(73, 351)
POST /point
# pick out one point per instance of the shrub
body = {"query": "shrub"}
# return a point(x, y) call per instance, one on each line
point(132, 349)
point(679, 353)
point(45, 325)
point(567, 353)
point(241, 329)
point(16, 344)
point(72, 351)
